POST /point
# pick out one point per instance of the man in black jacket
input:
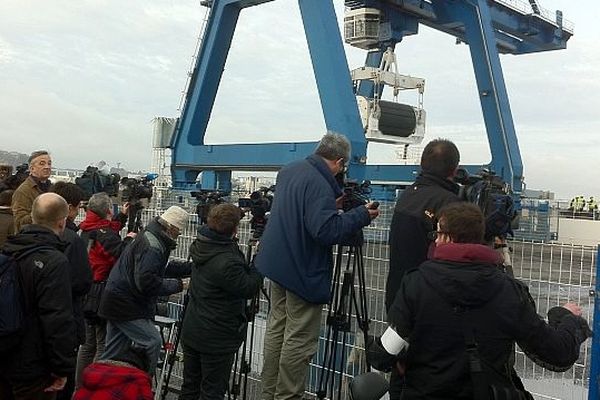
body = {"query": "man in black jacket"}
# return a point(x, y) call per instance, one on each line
point(136, 281)
point(414, 220)
point(80, 271)
point(459, 310)
point(45, 356)
point(215, 320)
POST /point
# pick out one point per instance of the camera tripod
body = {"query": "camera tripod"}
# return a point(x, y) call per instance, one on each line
point(344, 298)
point(134, 216)
point(239, 383)
point(171, 351)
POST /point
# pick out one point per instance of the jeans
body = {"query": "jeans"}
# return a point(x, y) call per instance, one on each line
point(92, 349)
point(121, 334)
point(205, 376)
point(290, 343)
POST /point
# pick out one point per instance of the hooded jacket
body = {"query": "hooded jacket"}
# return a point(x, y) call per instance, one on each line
point(215, 319)
point(108, 380)
point(105, 243)
point(303, 226)
point(48, 341)
point(463, 285)
point(414, 218)
point(138, 277)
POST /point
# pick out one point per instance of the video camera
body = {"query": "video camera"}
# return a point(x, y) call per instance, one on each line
point(9, 181)
point(93, 181)
point(206, 200)
point(355, 194)
point(136, 189)
point(493, 196)
point(259, 203)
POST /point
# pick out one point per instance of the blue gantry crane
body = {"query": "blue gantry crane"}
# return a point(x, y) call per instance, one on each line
point(352, 101)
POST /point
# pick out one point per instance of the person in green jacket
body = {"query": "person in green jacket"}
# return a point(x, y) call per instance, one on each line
point(215, 320)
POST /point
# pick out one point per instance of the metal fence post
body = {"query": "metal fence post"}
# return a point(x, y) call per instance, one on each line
point(594, 389)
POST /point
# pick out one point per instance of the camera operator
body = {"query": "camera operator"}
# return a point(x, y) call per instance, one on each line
point(40, 169)
point(215, 319)
point(295, 253)
point(456, 318)
point(135, 282)
point(414, 220)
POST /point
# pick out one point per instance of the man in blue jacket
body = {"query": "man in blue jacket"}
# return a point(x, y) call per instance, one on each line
point(296, 255)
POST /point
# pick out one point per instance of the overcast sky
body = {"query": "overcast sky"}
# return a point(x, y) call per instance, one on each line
point(85, 78)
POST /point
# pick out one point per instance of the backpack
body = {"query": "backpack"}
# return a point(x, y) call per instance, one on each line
point(12, 302)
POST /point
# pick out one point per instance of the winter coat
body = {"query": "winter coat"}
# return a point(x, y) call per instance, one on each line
point(22, 201)
point(7, 224)
point(108, 380)
point(48, 342)
point(463, 287)
point(138, 277)
point(215, 318)
point(106, 243)
point(80, 272)
point(295, 250)
point(413, 221)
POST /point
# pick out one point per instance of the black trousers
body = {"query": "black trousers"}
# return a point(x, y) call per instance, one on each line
point(396, 385)
point(205, 376)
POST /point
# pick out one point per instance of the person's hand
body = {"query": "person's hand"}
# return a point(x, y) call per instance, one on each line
point(57, 384)
point(124, 209)
point(373, 209)
point(186, 283)
point(574, 308)
point(132, 235)
point(339, 202)
point(400, 368)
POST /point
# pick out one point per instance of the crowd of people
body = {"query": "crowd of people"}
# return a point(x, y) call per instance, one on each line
point(86, 295)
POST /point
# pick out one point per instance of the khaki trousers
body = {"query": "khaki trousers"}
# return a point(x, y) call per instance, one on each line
point(291, 342)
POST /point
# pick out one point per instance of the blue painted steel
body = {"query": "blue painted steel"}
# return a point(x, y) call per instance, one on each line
point(504, 146)
point(486, 26)
point(333, 78)
point(594, 385)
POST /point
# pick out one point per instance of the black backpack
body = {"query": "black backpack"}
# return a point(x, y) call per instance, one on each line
point(12, 301)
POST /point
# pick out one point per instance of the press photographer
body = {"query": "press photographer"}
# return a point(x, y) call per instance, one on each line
point(457, 317)
point(259, 205)
point(207, 199)
point(134, 192)
point(215, 320)
point(296, 255)
point(10, 181)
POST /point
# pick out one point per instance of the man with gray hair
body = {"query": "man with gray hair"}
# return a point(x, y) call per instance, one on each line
point(296, 255)
point(141, 274)
point(37, 366)
point(100, 230)
point(40, 168)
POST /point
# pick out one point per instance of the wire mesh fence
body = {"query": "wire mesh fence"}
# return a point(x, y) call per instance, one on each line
point(555, 273)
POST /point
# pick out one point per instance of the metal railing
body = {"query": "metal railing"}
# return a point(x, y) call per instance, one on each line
point(555, 274)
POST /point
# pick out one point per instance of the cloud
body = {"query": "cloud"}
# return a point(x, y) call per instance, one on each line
point(78, 75)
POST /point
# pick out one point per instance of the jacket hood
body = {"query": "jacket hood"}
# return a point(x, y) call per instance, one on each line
point(112, 379)
point(30, 237)
point(93, 221)
point(210, 243)
point(464, 274)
